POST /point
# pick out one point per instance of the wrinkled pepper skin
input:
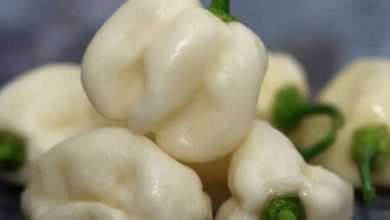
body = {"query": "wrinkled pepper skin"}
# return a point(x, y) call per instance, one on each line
point(361, 90)
point(174, 69)
point(267, 165)
point(283, 70)
point(43, 107)
point(113, 174)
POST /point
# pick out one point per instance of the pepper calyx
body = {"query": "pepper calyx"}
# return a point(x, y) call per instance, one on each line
point(290, 109)
point(284, 208)
point(12, 152)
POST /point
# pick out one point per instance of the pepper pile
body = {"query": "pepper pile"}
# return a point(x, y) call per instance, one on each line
point(183, 131)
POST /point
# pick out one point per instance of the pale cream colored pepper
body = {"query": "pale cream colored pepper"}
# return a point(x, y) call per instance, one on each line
point(113, 174)
point(361, 91)
point(267, 166)
point(284, 102)
point(284, 70)
point(174, 69)
point(42, 107)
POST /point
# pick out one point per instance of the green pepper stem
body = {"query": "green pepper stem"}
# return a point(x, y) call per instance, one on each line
point(365, 174)
point(283, 208)
point(309, 109)
point(290, 109)
point(12, 152)
point(223, 5)
point(287, 214)
point(370, 147)
point(221, 9)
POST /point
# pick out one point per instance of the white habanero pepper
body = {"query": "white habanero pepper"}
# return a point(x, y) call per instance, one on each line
point(39, 109)
point(283, 72)
point(361, 151)
point(283, 101)
point(269, 180)
point(113, 174)
point(189, 75)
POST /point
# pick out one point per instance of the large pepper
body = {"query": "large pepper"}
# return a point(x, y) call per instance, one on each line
point(189, 75)
point(38, 110)
point(112, 174)
point(269, 180)
point(284, 71)
point(362, 149)
point(283, 101)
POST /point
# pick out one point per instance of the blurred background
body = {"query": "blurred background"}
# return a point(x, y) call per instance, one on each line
point(323, 35)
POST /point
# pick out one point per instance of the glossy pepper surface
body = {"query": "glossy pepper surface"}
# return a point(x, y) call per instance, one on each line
point(269, 180)
point(187, 74)
point(112, 174)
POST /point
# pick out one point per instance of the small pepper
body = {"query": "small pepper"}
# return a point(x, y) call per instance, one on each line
point(113, 174)
point(361, 152)
point(37, 110)
point(283, 101)
point(269, 180)
point(182, 72)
